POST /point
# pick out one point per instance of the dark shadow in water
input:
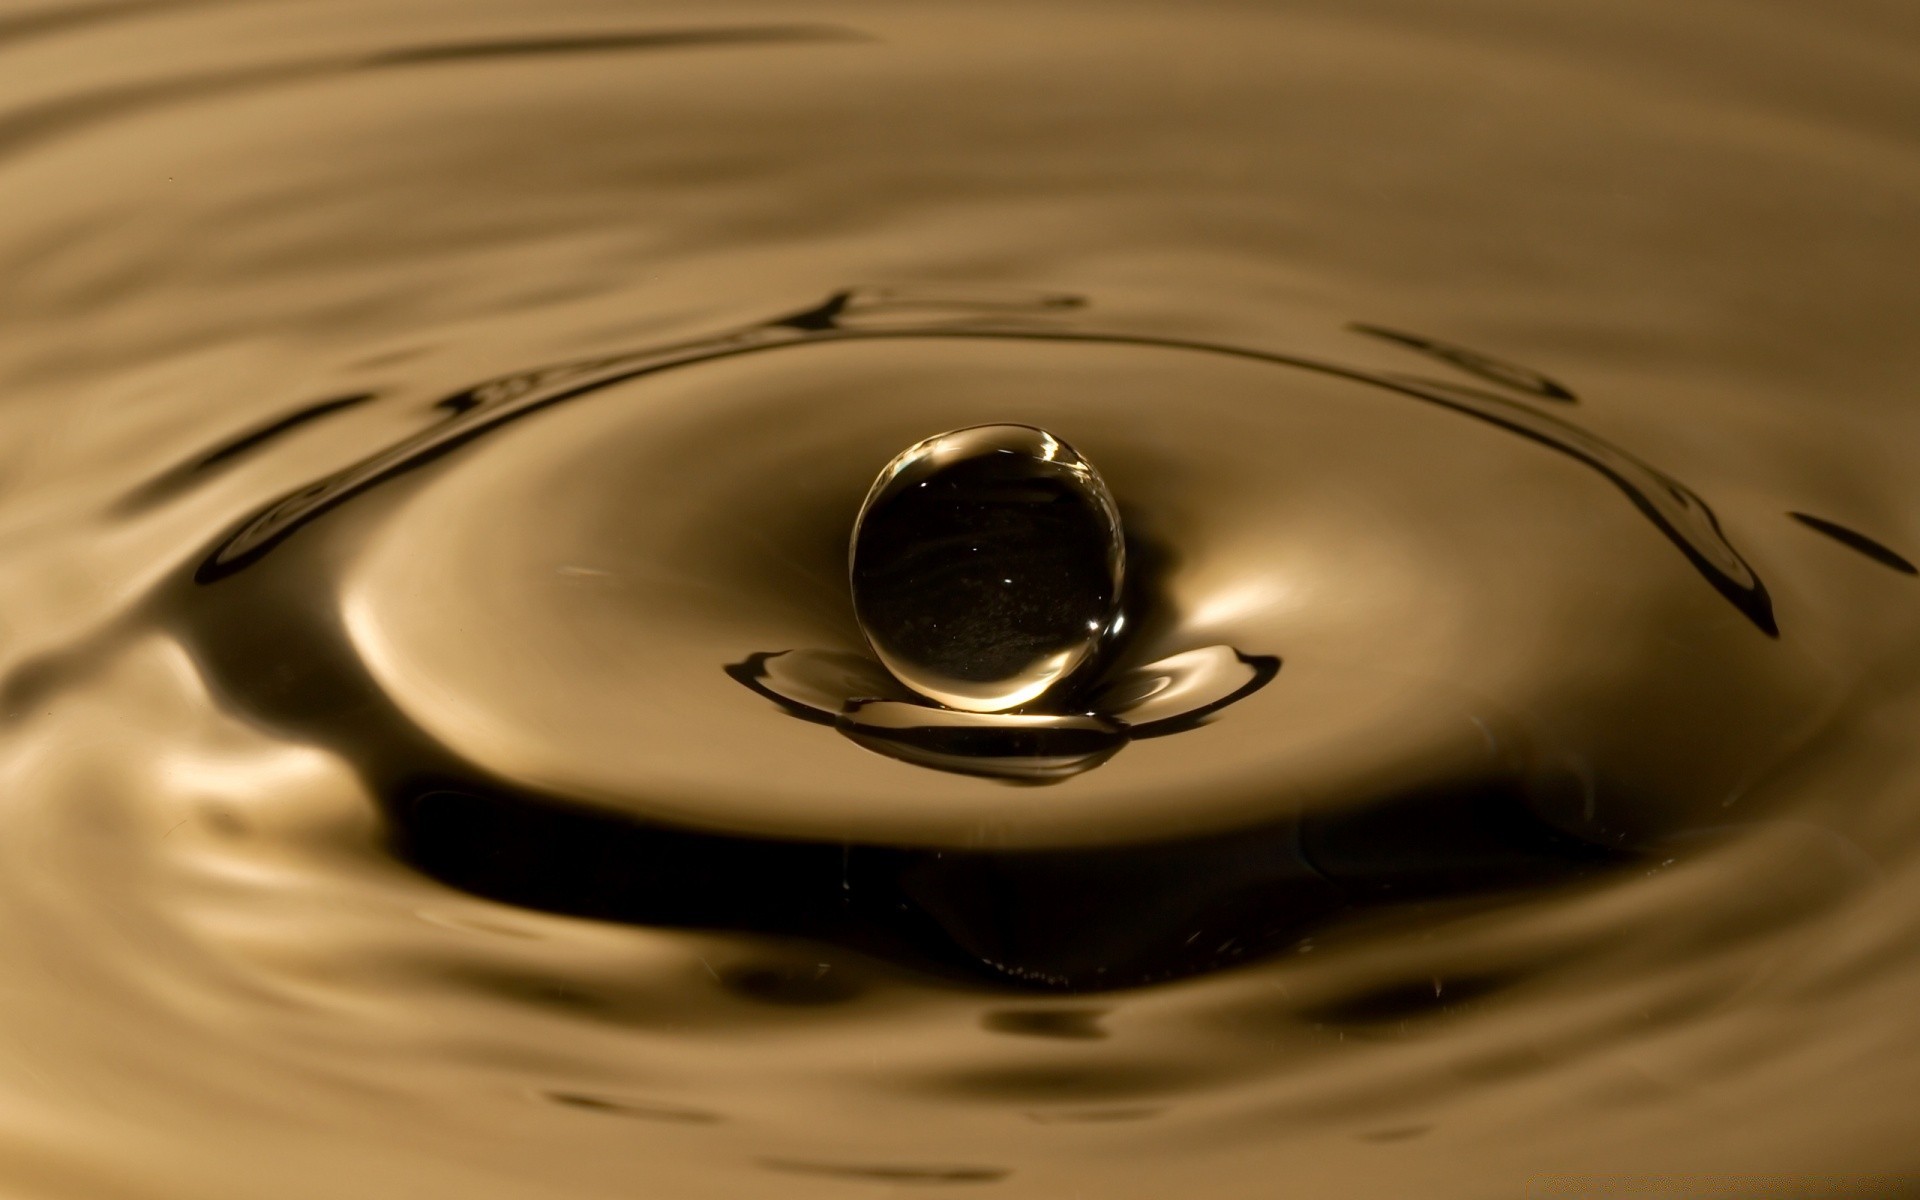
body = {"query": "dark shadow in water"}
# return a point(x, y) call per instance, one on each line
point(171, 482)
point(1676, 511)
point(1854, 540)
point(1075, 919)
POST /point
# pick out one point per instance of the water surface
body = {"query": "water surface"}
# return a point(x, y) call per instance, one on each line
point(414, 409)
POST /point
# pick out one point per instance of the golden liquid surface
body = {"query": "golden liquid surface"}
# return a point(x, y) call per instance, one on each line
point(397, 391)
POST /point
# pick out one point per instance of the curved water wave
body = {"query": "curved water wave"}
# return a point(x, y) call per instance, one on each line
point(1675, 510)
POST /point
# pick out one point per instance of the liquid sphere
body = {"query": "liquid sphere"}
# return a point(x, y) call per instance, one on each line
point(986, 566)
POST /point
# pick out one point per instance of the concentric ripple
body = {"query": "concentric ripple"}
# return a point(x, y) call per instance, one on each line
point(538, 593)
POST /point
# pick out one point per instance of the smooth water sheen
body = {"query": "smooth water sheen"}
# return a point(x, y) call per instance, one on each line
point(441, 756)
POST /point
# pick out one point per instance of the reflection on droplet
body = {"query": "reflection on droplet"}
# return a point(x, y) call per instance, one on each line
point(986, 566)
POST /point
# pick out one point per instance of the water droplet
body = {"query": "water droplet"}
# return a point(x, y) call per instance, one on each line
point(986, 566)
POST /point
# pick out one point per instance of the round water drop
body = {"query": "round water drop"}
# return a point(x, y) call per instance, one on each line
point(986, 566)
